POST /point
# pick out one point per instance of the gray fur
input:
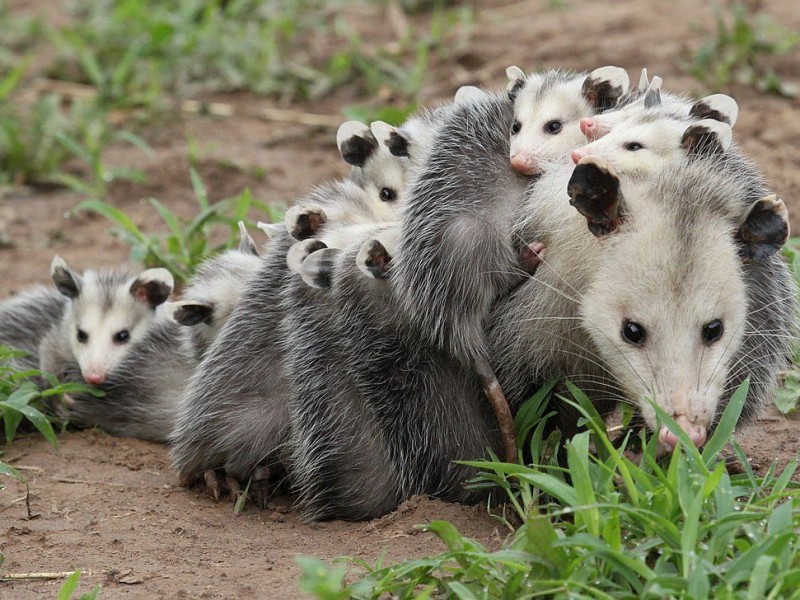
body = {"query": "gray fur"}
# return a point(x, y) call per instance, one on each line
point(26, 319)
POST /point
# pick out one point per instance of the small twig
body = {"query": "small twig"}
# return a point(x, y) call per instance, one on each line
point(83, 481)
point(494, 393)
point(28, 468)
point(24, 576)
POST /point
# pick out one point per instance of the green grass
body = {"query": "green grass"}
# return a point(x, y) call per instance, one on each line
point(788, 395)
point(678, 528)
point(187, 242)
point(739, 51)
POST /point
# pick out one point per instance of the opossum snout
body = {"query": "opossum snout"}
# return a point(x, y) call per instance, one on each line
point(525, 163)
point(577, 155)
point(94, 377)
point(591, 128)
point(697, 433)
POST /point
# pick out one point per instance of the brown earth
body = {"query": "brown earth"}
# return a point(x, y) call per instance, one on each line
point(112, 505)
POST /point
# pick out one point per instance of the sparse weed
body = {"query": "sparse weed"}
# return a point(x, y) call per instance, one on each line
point(679, 528)
point(739, 49)
point(788, 395)
point(67, 590)
point(23, 394)
point(187, 243)
point(18, 36)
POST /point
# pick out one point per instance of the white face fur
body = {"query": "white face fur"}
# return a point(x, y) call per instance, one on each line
point(668, 323)
point(634, 147)
point(384, 177)
point(546, 128)
point(106, 318)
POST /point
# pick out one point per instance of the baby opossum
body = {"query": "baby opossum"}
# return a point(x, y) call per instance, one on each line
point(372, 193)
point(25, 319)
point(664, 291)
point(457, 254)
point(112, 332)
point(215, 289)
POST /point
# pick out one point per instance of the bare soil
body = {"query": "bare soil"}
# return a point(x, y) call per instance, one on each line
point(113, 506)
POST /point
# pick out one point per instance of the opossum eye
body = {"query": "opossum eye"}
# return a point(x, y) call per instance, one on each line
point(122, 337)
point(633, 333)
point(552, 127)
point(515, 128)
point(388, 194)
point(712, 331)
point(633, 146)
point(83, 337)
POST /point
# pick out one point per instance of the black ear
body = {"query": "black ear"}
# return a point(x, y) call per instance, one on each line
point(247, 244)
point(516, 81)
point(765, 229)
point(152, 287)
point(706, 137)
point(193, 313)
point(356, 143)
point(603, 87)
point(67, 282)
point(395, 140)
point(719, 107)
point(594, 191)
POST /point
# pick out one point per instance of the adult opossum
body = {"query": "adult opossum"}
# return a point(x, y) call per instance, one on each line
point(668, 294)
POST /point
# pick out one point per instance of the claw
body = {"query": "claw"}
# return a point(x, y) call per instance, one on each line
point(260, 491)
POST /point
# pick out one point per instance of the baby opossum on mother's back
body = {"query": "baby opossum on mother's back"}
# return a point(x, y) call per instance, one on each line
point(456, 253)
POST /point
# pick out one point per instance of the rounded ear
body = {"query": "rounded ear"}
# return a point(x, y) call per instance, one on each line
point(764, 229)
point(468, 93)
point(152, 287)
point(189, 314)
point(516, 81)
point(67, 282)
point(395, 140)
point(374, 260)
point(719, 107)
point(356, 143)
point(603, 87)
point(246, 244)
point(317, 268)
point(707, 137)
point(652, 95)
point(594, 191)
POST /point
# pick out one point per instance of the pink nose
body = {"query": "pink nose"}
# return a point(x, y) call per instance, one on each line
point(95, 378)
point(577, 155)
point(588, 126)
point(525, 164)
point(696, 433)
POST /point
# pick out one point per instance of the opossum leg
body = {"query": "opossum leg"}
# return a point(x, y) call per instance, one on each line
point(260, 489)
point(494, 393)
point(530, 256)
point(234, 488)
point(213, 484)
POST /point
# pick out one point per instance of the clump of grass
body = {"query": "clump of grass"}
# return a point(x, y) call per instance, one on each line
point(18, 36)
point(738, 51)
point(70, 585)
point(788, 395)
point(607, 527)
point(188, 242)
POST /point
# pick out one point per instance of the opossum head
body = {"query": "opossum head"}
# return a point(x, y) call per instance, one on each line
point(377, 170)
point(108, 314)
point(650, 103)
point(548, 108)
point(648, 141)
point(667, 307)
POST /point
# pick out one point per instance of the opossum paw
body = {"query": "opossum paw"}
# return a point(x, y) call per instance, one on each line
point(530, 256)
point(304, 221)
point(374, 260)
point(213, 484)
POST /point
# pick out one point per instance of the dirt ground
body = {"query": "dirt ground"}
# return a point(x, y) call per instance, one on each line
point(113, 506)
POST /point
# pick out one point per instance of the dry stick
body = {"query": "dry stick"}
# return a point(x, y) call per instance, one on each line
point(494, 393)
point(23, 576)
